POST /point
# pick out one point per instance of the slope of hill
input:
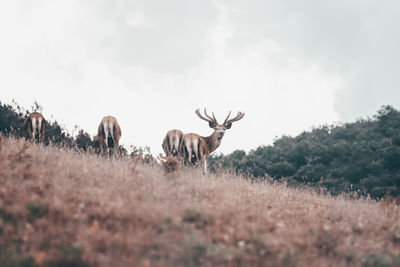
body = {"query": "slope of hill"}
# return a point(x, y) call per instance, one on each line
point(61, 208)
point(361, 156)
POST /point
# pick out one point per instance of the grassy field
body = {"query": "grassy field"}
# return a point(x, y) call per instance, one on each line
point(62, 208)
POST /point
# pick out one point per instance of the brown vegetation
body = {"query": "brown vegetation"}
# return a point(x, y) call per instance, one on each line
point(61, 208)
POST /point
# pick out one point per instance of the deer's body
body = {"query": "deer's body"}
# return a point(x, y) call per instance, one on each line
point(108, 134)
point(172, 143)
point(35, 127)
point(197, 148)
point(194, 146)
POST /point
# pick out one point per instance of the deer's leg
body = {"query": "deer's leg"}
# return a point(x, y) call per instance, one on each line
point(204, 161)
point(29, 136)
point(195, 149)
point(41, 136)
point(188, 158)
point(116, 146)
point(104, 147)
point(33, 130)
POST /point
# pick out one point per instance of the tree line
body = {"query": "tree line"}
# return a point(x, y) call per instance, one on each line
point(12, 124)
point(362, 156)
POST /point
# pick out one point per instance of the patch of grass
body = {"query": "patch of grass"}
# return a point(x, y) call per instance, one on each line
point(195, 216)
point(70, 255)
point(396, 235)
point(195, 254)
point(166, 224)
point(7, 217)
point(10, 256)
point(290, 258)
point(325, 242)
point(379, 260)
point(151, 218)
point(192, 216)
point(170, 164)
point(36, 210)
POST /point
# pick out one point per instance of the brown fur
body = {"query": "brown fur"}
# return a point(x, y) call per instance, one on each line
point(110, 124)
point(172, 143)
point(37, 136)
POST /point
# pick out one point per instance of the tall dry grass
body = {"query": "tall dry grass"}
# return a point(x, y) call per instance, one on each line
point(61, 208)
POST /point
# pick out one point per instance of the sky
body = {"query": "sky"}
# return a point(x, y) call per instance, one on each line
point(288, 65)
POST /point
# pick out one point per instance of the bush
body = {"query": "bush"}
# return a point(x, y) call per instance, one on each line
point(362, 156)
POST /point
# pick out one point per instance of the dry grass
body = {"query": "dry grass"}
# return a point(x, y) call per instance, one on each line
point(60, 208)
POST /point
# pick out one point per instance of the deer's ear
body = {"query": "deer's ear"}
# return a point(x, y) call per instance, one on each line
point(228, 125)
point(212, 124)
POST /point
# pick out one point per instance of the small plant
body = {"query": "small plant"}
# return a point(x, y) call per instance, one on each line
point(11, 256)
point(69, 255)
point(194, 254)
point(37, 210)
point(12, 259)
point(325, 242)
point(378, 260)
point(7, 217)
point(170, 164)
point(192, 216)
point(196, 217)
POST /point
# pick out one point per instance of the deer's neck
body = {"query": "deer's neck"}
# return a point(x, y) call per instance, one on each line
point(213, 141)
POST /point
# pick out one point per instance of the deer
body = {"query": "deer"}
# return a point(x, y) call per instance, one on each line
point(172, 143)
point(108, 135)
point(196, 148)
point(35, 127)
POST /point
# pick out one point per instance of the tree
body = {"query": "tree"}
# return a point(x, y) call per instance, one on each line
point(363, 156)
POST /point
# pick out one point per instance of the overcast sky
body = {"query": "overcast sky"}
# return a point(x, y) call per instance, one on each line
point(289, 65)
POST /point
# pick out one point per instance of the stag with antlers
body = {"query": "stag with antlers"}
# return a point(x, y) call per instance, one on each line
point(35, 127)
point(196, 148)
point(108, 135)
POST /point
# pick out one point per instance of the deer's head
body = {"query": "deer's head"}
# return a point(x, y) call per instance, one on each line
point(219, 128)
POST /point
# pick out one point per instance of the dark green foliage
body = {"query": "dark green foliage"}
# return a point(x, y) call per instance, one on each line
point(12, 123)
point(11, 119)
point(69, 256)
point(57, 135)
point(10, 258)
point(36, 210)
point(192, 215)
point(363, 156)
point(83, 140)
point(194, 254)
point(380, 260)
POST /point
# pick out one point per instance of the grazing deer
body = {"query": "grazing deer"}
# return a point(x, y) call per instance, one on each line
point(35, 127)
point(196, 148)
point(172, 143)
point(108, 135)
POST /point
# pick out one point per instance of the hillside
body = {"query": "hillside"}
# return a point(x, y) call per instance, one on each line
point(61, 208)
point(361, 156)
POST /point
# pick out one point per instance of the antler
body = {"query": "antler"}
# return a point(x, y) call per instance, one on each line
point(227, 117)
point(213, 118)
point(208, 119)
point(238, 117)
